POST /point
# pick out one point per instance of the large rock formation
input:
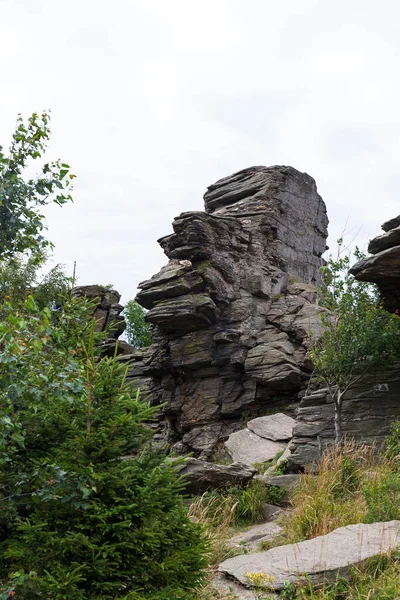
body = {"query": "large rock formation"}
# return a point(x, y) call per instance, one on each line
point(231, 309)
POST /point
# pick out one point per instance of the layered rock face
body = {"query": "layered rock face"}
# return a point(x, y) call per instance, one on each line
point(372, 405)
point(367, 414)
point(383, 268)
point(232, 308)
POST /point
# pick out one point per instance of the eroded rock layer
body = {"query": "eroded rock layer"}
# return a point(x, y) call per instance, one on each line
point(383, 267)
point(368, 411)
point(231, 309)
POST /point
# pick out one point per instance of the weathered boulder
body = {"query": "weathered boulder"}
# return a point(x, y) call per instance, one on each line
point(230, 590)
point(231, 310)
point(391, 224)
point(277, 427)
point(318, 560)
point(249, 448)
point(202, 476)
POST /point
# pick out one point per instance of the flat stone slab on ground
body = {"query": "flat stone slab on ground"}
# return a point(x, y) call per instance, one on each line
point(246, 447)
point(318, 560)
point(252, 538)
point(276, 427)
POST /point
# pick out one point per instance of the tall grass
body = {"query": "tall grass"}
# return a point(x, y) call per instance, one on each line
point(223, 512)
point(354, 484)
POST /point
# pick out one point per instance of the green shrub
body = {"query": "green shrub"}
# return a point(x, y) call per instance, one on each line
point(137, 329)
point(393, 442)
point(353, 485)
point(246, 504)
point(382, 494)
point(76, 520)
point(22, 275)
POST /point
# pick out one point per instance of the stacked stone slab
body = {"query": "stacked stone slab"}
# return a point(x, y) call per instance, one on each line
point(231, 310)
point(107, 309)
point(383, 267)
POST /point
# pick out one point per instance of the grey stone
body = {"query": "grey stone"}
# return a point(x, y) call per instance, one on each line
point(187, 313)
point(107, 310)
point(277, 427)
point(391, 224)
point(286, 482)
point(380, 267)
point(368, 410)
point(285, 456)
point(318, 560)
point(384, 267)
point(385, 241)
point(231, 590)
point(189, 283)
point(253, 537)
point(246, 447)
point(202, 476)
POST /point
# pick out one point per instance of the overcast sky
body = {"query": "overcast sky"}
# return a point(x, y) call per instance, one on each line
point(153, 100)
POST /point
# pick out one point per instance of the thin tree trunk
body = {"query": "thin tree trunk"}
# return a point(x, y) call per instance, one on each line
point(338, 398)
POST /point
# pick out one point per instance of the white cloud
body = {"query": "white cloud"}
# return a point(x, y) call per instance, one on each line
point(153, 101)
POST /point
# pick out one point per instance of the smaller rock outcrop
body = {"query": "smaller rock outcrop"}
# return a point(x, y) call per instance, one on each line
point(316, 561)
point(107, 311)
point(368, 410)
point(383, 267)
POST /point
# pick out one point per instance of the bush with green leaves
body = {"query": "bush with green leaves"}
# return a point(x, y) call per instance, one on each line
point(88, 509)
point(76, 520)
point(393, 442)
point(22, 275)
point(137, 329)
point(22, 197)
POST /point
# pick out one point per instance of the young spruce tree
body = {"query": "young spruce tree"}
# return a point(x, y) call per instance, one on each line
point(88, 510)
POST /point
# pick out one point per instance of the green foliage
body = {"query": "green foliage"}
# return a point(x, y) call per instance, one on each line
point(353, 485)
point(393, 441)
point(20, 198)
point(137, 330)
point(358, 336)
point(76, 521)
point(376, 579)
point(247, 504)
point(22, 275)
